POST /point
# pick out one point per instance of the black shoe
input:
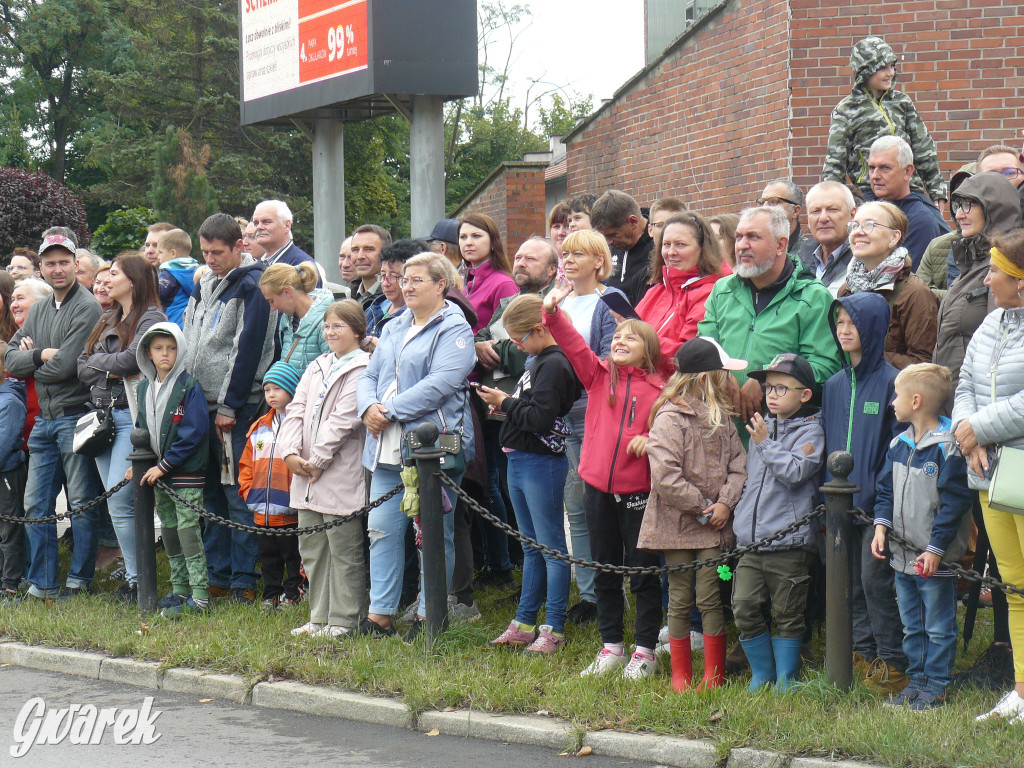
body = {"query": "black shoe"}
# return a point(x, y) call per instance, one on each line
point(992, 671)
point(370, 628)
point(417, 628)
point(492, 578)
point(243, 595)
point(127, 594)
point(582, 614)
point(66, 593)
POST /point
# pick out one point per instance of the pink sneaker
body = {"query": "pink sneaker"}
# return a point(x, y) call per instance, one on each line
point(514, 636)
point(547, 641)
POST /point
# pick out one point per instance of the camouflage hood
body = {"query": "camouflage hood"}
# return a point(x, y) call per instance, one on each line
point(869, 56)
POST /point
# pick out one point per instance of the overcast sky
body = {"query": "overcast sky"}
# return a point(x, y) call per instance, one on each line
point(585, 46)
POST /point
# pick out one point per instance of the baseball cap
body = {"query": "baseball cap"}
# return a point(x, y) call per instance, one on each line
point(446, 230)
point(705, 354)
point(57, 241)
point(788, 363)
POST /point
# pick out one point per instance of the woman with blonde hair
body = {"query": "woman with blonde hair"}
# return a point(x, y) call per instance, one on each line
point(292, 291)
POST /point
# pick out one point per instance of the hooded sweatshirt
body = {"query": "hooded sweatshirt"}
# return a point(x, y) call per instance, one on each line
point(860, 118)
point(857, 400)
point(175, 413)
point(968, 299)
point(175, 286)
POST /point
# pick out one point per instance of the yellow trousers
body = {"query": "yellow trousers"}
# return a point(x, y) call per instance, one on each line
point(1006, 536)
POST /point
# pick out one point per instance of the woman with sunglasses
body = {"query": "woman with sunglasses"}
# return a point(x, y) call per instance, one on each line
point(880, 264)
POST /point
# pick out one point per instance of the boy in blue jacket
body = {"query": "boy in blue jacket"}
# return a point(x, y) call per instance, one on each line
point(177, 270)
point(783, 472)
point(13, 473)
point(924, 498)
point(173, 408)
point(859, 419)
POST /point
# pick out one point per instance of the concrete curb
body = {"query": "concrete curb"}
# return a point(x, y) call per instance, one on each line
point(328, 702)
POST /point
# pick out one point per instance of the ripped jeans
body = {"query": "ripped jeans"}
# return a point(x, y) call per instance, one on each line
point(386, 527)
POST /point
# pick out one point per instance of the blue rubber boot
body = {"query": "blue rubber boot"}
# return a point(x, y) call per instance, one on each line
point(762, 661)
point(787, 661)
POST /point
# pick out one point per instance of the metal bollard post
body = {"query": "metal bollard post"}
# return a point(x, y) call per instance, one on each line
point(435, 583)
point(838, 553)
point(143, 459)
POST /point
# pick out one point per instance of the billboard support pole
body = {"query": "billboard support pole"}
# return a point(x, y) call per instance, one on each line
point(328, 193)
point(426, 160)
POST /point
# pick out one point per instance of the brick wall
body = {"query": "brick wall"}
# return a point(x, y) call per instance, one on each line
point(747, 95)
point(514, 197)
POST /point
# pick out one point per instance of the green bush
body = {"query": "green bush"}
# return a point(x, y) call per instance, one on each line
point(124, 230)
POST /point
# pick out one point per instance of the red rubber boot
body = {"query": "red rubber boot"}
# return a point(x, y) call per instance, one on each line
point(682, 663)
point(714, 661)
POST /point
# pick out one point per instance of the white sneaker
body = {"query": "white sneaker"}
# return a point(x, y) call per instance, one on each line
point(640, 666)
point(309, 629)
point(334, 630)
point(663, 645)
point(605, 663)
point(696, 641)
point(1010, 706)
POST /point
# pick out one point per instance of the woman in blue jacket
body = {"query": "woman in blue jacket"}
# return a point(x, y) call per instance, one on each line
point(417, 375)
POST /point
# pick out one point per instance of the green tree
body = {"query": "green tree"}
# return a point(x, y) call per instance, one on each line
point(124, 229)
point(181, 191)
point(561, 117)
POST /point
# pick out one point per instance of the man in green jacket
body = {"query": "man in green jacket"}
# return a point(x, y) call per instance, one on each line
point(768, 306)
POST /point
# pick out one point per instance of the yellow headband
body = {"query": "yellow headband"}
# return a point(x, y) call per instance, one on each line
point(1003, 264)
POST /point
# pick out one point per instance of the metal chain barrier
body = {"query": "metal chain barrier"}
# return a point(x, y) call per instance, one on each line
point(268, 531)
point(627, 570)
point(969, 575)
point(70, 513)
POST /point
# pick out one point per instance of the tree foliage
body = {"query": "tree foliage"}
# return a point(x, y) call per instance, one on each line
point(124, 230)
point(181, 192)
point(30, 203)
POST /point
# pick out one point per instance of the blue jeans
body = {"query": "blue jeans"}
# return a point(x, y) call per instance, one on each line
point(386, 526)
point(574, 501)
point(112, 466)
point(495, 541)
point(230, 553)
point(51, 462)
point(928, 609)
point(535, 483)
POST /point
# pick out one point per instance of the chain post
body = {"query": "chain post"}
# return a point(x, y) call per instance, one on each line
point(435, 582)
point(143, 459)
point(838, 553)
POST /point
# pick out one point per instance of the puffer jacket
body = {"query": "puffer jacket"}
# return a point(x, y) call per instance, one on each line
point(993, 404)
point(431, 370)
point(301, 347)
point(264, 481)
point(860, 119)
point(690, 463)
point(105, 367)
point(609, 427)
point(327, 432)
point(783, 471)
point(968, 299)
point(923, 497)
point(674, 306)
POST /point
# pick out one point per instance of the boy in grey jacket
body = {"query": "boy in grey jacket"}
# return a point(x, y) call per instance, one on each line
point(923, 497)
point(783, 466)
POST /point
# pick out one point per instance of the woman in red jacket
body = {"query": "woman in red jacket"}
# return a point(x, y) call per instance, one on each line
point(682, 276)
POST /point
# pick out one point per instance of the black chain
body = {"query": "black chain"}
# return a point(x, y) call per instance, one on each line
point(70, 513)
point(970, 575)
point(627, 570)
point(268, 531)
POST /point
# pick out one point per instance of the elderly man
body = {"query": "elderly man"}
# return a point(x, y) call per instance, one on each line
point(249, 244)
point(273, 222)
point(890, 169)
point(787, 196)
point(368, 240)
point(768, 306)
point(830, 208)
point(87, 264)
point(444, 239)
point(618, 217)
point(1005, 160)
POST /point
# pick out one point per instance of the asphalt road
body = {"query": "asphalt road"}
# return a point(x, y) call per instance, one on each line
point(228, 735)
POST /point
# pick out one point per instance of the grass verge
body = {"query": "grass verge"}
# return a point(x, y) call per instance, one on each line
point(463, 671)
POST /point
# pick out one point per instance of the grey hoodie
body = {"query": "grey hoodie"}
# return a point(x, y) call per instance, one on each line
point(158, 394)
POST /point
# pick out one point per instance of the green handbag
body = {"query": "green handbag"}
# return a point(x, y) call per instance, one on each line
point(1006, 483)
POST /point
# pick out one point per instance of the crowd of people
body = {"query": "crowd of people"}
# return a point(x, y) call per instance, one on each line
point(645, 385)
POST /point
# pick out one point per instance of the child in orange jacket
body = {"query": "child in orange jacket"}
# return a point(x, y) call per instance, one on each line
point(264, 483)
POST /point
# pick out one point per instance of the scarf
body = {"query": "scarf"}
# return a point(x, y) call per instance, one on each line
point(859, 279)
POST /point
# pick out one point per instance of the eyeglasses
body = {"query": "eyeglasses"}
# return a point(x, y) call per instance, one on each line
point(415, 282)
point(774, 201)
point(390, 277)
point(335, 328)
point(961, 204)
point(520, 342)
point(657, 224)
point(867, 226)
point(780, 390)
point(248, 238)
point(1011, 173)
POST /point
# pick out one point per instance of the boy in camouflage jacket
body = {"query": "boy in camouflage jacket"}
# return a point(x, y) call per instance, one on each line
point(875, 109)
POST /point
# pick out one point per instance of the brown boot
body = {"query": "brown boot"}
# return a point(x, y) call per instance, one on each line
point(218, 591)
point(861, 666)
point(884, 679)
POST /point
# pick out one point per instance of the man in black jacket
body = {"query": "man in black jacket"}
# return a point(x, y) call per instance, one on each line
point(618, 217)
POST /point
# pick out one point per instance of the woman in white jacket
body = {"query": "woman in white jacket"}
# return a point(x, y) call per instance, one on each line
point(322, 442)
point(988, 413)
